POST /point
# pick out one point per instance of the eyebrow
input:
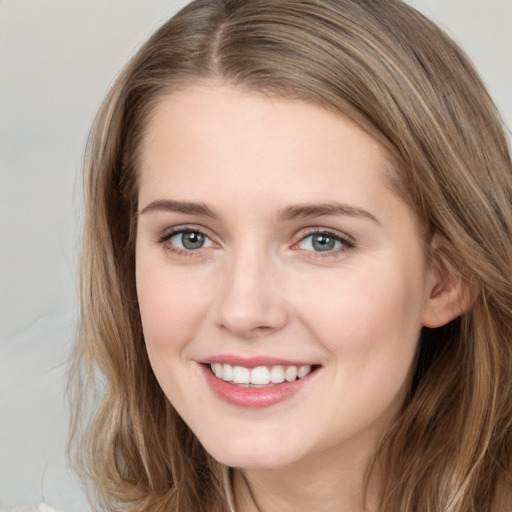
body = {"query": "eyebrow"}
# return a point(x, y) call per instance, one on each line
point(303, 211)
point(168, 205)
point(307, 211)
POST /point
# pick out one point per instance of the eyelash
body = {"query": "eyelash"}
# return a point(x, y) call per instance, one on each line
point(346, 242)
point(166, 237)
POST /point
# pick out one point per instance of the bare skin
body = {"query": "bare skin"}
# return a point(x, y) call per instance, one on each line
point(267, 229)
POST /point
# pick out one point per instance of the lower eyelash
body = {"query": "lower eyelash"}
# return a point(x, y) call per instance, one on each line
point(181, 252)
point(347, 242)
point(163, 239)
point(169, 234)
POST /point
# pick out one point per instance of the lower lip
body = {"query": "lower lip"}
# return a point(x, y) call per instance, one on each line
point(252, 398)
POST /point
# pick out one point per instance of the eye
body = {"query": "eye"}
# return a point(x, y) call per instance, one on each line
point(186, 240)
point(190, 240)
point(325, 241)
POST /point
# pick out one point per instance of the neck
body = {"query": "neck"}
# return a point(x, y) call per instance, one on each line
point(315, 484)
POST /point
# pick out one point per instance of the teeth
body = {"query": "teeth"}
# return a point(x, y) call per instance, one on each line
point(290, 373)
point(217, 370)
point(303, 371)
point(227, 372)
point(241, 375)
point(259, 376)
point(277, 374)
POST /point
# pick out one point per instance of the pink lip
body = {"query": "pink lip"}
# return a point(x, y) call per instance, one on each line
point(252, 398)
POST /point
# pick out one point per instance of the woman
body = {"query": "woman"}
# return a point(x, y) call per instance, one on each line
point(297, 268)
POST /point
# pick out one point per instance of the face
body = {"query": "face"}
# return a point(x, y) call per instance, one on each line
point(282, 283)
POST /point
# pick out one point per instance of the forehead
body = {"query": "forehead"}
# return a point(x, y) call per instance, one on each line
point(209, 132)
point(248, 158)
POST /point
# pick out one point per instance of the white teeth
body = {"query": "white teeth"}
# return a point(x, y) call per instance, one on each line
point(217, 370)
point(227, 372)
point(241, 375)
point(303, 371)
point(261, 375)
point(290, 373)
point(277, 374)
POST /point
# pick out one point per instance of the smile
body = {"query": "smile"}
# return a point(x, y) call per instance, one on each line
point(260, 376)
point(256, 383)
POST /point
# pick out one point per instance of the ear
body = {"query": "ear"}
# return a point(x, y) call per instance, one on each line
point(449, 294)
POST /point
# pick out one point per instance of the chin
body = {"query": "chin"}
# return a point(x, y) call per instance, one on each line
point(252, 452)
point(251, 460)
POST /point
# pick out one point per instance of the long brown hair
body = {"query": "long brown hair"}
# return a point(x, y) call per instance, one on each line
point(405, 82)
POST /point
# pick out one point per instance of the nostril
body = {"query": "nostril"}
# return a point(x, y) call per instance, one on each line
point(247, 331)
point(250, 302)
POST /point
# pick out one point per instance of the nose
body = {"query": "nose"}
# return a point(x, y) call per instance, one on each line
point(251, 300)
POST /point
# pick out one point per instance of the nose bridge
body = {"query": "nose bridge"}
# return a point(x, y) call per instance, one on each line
point(250, 302)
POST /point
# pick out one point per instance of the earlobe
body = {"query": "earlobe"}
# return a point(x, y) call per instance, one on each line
point(449, 296)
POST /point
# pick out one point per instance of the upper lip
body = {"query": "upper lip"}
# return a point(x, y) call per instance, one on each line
point(252, 361)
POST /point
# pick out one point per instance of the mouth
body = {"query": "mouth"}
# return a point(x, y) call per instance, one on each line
point(260, 376)
point(256, 382)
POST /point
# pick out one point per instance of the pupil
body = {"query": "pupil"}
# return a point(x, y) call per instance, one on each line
point(323, 243)
point(192, 240)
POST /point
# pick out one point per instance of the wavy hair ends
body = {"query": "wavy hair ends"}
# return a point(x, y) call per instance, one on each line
point(399, 77)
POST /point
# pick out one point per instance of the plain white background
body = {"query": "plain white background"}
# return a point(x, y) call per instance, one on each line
point(57, 60)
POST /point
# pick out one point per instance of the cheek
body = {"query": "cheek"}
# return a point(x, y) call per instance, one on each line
point(171, 306)
point(373, 315)
point(370, 326)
